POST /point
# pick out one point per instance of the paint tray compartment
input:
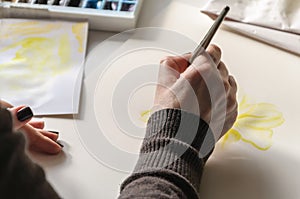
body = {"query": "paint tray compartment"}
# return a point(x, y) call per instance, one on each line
point(108, 15)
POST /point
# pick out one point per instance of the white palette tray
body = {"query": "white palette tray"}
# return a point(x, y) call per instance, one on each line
point(102, 18)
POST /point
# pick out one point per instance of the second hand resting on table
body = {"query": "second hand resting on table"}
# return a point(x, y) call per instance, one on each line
point(38, 139)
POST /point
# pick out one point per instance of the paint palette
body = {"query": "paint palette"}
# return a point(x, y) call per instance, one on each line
point(109, 15)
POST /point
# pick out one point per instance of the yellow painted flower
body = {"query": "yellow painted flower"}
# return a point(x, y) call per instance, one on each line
point(254, 124)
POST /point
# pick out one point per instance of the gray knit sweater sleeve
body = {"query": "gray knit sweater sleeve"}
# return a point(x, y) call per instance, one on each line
point(170, 164)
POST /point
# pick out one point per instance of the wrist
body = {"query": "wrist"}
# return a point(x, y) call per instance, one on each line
point(180, 125)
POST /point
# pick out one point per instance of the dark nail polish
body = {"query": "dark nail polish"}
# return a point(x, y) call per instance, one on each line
point(24, 114)
point(54, 132)
point(60, 144)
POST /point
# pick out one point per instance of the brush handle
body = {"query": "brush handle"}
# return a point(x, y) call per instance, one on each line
point(209, 35)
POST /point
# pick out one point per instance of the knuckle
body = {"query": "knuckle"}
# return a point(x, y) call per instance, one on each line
point(216, 49)
point(226, 85)
point(169, 61)
point(232, 98)
point(165, 59)
point(231, 78)
point(220, 66)
point(234, 115)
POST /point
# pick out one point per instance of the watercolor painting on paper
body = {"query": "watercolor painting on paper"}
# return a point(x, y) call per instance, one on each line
point(41, 64)
point(254, 124)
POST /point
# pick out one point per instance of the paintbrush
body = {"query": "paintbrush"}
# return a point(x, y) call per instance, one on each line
point(209, 35)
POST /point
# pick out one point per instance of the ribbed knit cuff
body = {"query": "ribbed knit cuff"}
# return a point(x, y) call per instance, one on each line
point(172, 143)
point(180, 125)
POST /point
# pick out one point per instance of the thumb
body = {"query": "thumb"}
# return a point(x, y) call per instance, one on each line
point(21, 115)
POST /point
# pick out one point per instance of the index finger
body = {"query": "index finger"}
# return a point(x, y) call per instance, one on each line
point(178, 63)
point(215, 53)
point(21, 115)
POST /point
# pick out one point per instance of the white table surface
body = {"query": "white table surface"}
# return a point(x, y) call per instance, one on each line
point(265, 73)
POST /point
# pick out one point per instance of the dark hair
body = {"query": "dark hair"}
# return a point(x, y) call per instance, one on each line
point(5, 121)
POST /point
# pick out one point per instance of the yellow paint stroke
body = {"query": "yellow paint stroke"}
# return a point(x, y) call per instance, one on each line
point(144, 116)
point(79, 31)
point(42, 54)
point(46, 58)
point(254, 124)
point(64, 51)
point(28, 28)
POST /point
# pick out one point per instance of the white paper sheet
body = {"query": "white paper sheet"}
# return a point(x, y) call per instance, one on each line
point(276, 22)
point(41, 64)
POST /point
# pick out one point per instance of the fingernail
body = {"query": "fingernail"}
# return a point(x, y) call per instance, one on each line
point(54, 132)
point(60, 144)
point(24, 114)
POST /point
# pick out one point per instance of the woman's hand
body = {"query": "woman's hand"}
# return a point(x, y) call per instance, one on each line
point(204, 88)
point(38, 139)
